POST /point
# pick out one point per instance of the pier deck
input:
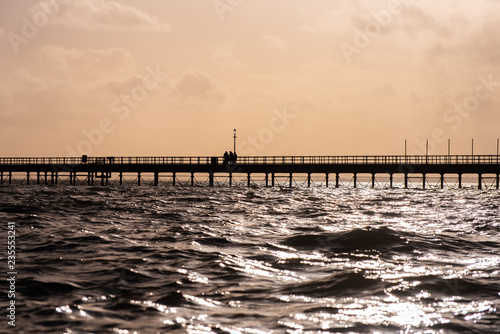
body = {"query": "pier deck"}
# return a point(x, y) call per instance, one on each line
point(50, 170)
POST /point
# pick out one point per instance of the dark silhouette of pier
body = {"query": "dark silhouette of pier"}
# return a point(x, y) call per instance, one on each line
point(100, 170)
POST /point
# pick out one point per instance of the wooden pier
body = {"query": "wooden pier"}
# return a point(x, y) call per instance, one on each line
point(114, 170)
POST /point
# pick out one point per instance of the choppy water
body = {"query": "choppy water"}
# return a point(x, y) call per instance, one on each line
point(253, 260)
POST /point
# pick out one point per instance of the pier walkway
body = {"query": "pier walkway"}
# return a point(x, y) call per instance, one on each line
point(100, 170)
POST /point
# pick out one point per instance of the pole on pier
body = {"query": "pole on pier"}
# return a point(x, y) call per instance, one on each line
point(27, 177)
point(459, 181)
point(426, 150)
point(406, 146)
point(423, 181)
point(337, 179)
point(498, 147)
point(480, 181)
point(138, 178)
point(473, 147)
point(355, 179)
point(234, 139)
point(373, 180)
point(249, 180)
point(327, 179)
point(442, 181)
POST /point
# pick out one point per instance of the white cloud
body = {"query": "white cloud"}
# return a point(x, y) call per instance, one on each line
point(101, 14)
point(274, 42)
point(224, 58)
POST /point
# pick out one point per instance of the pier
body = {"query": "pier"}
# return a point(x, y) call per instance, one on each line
point(265, 170)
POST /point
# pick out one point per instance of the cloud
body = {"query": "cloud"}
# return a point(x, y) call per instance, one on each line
point(224, 58)
point(2, 32)
point(274, 42)
point(195, 84)
point(101, 14)
point(89, 63)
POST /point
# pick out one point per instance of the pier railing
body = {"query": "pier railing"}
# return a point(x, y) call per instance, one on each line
point(266, 160)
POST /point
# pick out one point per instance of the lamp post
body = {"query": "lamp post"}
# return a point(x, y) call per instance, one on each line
point(234, 138)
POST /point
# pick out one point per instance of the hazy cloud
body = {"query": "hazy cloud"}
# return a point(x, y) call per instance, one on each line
point(224, 58)
point(200, 85)
point(90, 63)
point(100, 14)
point(274, 42)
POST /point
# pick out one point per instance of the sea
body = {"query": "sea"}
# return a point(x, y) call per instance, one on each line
point(140, 259)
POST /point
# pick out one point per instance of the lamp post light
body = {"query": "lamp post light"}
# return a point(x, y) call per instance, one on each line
point(234, 138)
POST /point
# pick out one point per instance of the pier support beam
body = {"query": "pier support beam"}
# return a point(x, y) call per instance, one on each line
point(291, 180)
point(102, 178)
point(192, 179)
point(480, 181)
point(308, 180)
point(88, 178)
point(442, 181)
point(406, 181)
point(355, 180)
point(121, 178)
point(459, 181)
point(52, 178)
point(230, 179)
point(423, 181)
point(337, 180)
point(173, 179)
point(70, 178)
point(327, 179)
point(156, 179)
point(211, 179)
point(373, 180)
point(267, 179)
point(249, 180)
point(27, 177)
point(391, 181)
point(1, 177)
point(138, 178)
point(498, 181)
point(10, 177)
point(37, 177)
point(272, 179)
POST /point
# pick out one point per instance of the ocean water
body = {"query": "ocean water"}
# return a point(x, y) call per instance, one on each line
point(252, 260)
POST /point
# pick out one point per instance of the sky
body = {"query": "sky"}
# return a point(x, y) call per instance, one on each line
point(294, 77)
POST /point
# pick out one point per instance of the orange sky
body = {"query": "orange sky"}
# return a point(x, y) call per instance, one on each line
point(316, 77)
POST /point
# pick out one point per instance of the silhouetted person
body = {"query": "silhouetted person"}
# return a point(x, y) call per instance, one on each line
point(226, 158)
point(231, 156)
